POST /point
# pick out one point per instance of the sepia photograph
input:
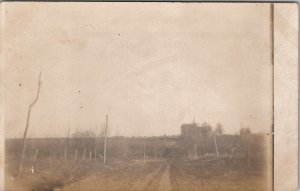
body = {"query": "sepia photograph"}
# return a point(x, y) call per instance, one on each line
point(138, 96)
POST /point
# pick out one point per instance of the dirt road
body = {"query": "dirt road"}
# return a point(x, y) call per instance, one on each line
point(166, 176)
point(135, 177)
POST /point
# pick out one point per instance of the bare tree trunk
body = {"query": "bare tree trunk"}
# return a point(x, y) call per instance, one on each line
point(216, 146)
point(27, 123)
point(105, 138)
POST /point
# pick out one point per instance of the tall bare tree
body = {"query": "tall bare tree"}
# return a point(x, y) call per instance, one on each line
point(27, 123)
point(219, 129)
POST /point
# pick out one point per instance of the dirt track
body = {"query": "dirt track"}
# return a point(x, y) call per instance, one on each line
point(165, 176)
point(135, 177)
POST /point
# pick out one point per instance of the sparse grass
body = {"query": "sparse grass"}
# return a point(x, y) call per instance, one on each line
point(51, 173)
point(125, 163)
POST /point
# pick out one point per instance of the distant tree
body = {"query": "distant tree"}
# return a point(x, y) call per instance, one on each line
point(84, 134)
point(204, 124)
point(245, 131)
point(219, 129)
point(206, 129)
point(100, 132)
point(91, 133)
point(208, 125)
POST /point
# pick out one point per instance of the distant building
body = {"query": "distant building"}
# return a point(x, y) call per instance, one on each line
point(195, 130)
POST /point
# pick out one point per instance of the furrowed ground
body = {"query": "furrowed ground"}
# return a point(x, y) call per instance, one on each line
point(165, 164)
point(160, 175)
point(171, 175)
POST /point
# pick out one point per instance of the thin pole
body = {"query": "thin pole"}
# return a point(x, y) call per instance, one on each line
point(65, 152)
point(36, 154)
point(272, 62)
point(155, 153)
point(216, 146)
point(196, 153)
point(105, 138)
point(67, 145)
point(68, 139)
point(249, 160)
point(144, 151)
point(76, 151)
point(83, 156)
point(95, 142)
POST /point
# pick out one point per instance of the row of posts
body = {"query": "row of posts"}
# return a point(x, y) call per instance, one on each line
point(90, 154)
point(83, 154)
point(84, 151)
point(75, 154)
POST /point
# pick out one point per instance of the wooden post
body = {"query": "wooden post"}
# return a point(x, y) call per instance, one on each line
point(196, 153)
point(249, 162)
point(105, 138)
point(65, 152)
point(76, 152)
point(90, 155)
point(36, 154)
point(83, 156)
point(144, 151)
point(270, 176)
point(67, 145)
point(95, 142)
point(27, 123)
point(216, 146)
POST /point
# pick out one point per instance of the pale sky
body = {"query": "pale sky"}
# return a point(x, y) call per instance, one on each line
point(149, 66)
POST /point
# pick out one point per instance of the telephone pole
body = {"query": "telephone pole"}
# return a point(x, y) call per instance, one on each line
point(105, 138)
point(216, 146)
point(144, 151)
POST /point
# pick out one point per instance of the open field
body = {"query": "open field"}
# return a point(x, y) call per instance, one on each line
point(168, 166)
point(175, 175)
point(163, 175)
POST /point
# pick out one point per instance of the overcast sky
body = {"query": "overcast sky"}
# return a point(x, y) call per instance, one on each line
point(149, 66)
